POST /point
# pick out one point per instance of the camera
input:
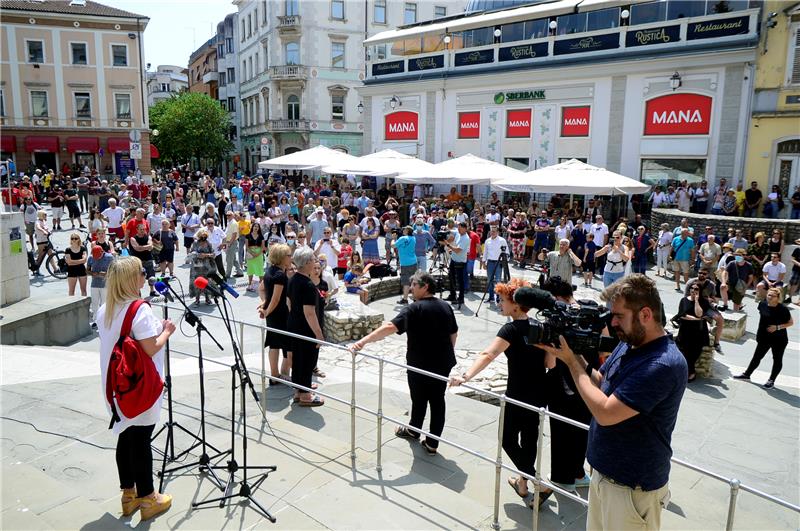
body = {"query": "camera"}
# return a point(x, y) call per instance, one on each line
point(580, 325)
point(441, 235)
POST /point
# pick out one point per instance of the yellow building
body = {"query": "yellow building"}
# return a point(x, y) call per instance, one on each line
point(773, 152)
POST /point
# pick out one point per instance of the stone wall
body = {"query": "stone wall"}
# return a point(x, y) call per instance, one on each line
point(672, 217)
point(353, 321)
point(390, 286)
point(14, 282)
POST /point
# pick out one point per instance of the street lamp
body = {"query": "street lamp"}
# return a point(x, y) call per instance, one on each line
point(360, 107)
point(394, 102)
point(155, 132)
point(447, 39)
point(675, 81)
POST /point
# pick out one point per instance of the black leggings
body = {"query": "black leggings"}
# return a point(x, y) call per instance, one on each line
point(135, 459)
point(762, 347)
point(304, 358)
point(568, 443)
point(456, 277)
point(520, 437)
point(425, 390)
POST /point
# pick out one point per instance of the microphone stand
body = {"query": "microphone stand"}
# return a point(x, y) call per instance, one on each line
point(246, 489)
point(203, 462)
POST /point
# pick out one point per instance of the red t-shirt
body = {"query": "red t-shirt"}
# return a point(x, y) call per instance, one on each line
point(344, 255)
point(132, 226)
point(474, 243)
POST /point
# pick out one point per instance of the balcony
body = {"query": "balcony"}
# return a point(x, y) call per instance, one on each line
point(289, 73)
point(211, 77)
point(254, 82)
point(283, 126)
point(289, 24)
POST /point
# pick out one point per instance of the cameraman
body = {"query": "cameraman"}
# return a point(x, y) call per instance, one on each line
point(634, 400)
point(526, 383)
point(494, 247)
point(457, 247)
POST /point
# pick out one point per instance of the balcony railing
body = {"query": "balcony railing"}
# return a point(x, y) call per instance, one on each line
point(289, 22)
point(254, 81)
point(277, 126)
point(289, 72)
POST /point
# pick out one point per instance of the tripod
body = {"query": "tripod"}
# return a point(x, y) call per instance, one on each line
point(246, 489)
point(439, 269)
point(505, 275)
point(169, 456)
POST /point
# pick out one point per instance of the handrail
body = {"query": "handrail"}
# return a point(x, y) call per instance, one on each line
point(734, 484)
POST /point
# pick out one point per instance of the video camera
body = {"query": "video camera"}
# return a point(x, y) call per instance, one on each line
point(580, 325)
point(441, 235)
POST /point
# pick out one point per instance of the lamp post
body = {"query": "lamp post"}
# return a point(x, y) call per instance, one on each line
point(675, 81)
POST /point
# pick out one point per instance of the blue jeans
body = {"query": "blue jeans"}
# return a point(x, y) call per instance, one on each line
point(771, 210)
point(795, 213)
point(468, 272)
point(717, 211)
point(750, 212)
point(609, 277)
point(422, 263)
point(492, 275)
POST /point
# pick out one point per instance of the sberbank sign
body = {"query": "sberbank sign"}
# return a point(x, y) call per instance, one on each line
point(522, 95)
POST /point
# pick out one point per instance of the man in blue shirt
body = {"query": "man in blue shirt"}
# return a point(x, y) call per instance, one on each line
point(634, 400)
point(458, 248)
point(425, 242)
point(684, 251)
point(407, 258)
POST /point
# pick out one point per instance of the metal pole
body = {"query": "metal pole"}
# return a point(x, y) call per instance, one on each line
point(241, 349)
point(498, 467)
point(734, 483)
point(353, 406)
point(263, 374)
point(537, 486)
point(379, 467)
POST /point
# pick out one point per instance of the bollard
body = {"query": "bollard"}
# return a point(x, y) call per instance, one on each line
point(734, 483)
point(353, 407)
point(379, 467)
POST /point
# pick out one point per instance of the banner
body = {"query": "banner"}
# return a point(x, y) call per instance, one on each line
point(469, 124)
point(401, 125)
point(474, 58)
point(518, 123)
point(710, 29)
point(678, 114)
point(575, 121)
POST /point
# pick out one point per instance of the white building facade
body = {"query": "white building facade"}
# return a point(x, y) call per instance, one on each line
point(166, 81)
point(228, 85)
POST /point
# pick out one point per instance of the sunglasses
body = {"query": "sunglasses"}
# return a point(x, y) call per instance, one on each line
point(74, 238)
point(143, 272)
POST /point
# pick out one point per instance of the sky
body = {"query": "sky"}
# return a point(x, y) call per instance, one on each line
point(177, 27)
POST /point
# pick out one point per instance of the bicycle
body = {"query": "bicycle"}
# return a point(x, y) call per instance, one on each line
point(54, 261)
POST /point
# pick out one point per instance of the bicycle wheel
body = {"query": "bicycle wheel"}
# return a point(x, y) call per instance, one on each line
point(56, 265)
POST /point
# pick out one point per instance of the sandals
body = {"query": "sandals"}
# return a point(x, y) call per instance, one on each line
point(314, 402)
point(318, 373)
point(130, 503)
point(405, 433)
point(428, 448)
point(154, 504)
point(512, 481)
point(542, 498)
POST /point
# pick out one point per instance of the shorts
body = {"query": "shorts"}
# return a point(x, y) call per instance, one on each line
point(711, 313)
point(340, 270)
point(406, 272)
point(30, 228)
point(763, 284)
point(57, 212)
point(117, 232)
point(589, 266)
point(166, 256)
point(735, 296)
point(679, 266)
point(795, 280)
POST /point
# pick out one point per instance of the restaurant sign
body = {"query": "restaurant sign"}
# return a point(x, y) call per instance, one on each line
point(523, 51)
point(710, 29)
point(606, 41)
point(392, 67)
point(477, 57)
point(646, 37)
point(426, 63)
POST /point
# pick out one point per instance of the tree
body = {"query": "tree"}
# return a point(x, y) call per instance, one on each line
point(190, 125)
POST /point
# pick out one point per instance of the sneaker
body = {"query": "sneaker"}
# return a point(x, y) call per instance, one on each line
point(723, 308)
point(584, 481)
point(770, 384)
point(402, 301)
point(718, 348)
point(743, 376)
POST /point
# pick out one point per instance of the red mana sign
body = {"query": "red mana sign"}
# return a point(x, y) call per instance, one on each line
point(401, 125)
point(575, 121)
point(678, 114)
point(469, 124)
point(518, 123)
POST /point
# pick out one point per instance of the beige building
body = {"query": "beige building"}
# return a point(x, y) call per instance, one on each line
point(72, 85)
point(203, 75)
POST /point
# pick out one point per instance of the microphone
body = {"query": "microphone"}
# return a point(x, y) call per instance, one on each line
point(202, 283)
point(224, 285)
point(534, 298)
point(165, 278)
point(162, 288)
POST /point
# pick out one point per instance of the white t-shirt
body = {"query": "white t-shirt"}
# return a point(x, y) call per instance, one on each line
point(658, 198)
point(774, 271)
point(329, 249)
point(114, 216)
point(145, 325)
point(154, 220)
point(600, 232)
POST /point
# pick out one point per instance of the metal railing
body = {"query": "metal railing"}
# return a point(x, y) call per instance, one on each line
point(734, 485)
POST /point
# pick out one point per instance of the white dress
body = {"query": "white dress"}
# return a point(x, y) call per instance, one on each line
point(145, 325)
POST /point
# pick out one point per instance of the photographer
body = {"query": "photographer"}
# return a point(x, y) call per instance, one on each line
point(526, 383)
point(634, 400)
point(494, 247)
point(457, 247)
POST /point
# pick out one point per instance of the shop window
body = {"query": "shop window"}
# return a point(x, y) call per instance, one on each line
point(78, 50)
point(39, 104)
point(518, 163)
point(602, 19)
point(665, 171)
point(523, 31)
point(685, 9)
point(119, 55)
point(83, 105)
point(379, 12)
point(649, 12)
point(35, 51)
point(569, 24)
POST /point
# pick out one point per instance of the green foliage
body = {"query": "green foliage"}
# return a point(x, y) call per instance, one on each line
point(190, 125)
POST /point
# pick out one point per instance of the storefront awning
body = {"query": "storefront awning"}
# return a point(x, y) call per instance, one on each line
point(116, 145)
point(154, 154)
point(78, 144)
point(8, 144)
point(42, 144)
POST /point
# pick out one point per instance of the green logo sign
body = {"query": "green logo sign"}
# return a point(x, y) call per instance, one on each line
point(499, 98)
point(522, 95)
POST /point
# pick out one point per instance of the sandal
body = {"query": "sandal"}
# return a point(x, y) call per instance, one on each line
point(154, 505)
point(318, 373)
point(314, 402)
point(428, 448)
point(130, 503)
point(542, 498)
point(512, 481)
point(405, 433)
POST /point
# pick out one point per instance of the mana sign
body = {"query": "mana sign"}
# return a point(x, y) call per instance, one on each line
point(469, 124)
point(678, 114)
point(518, 123)
point(575, 121)
point(401, 125)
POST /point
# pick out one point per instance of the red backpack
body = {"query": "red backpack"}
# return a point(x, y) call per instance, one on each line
point(132, 377)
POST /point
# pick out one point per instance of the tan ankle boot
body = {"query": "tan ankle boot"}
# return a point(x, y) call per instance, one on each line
point(130, 503)
point(154, 504)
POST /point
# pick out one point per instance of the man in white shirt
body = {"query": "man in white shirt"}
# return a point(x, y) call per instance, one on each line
point(113, 216)
point(370, 212)
point(216, 237)
point(494, 247)
point(328, 246)
point(232, 246)
point(774, 271)
point(658, 197)
point(190, 222)
point(600, 231)
point(155, 218)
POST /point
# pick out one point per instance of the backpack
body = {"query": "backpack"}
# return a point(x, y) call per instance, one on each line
point(132, 377)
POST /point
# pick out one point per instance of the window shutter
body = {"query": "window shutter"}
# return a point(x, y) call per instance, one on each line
point(795, 77)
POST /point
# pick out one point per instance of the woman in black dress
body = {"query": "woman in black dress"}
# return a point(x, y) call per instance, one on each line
point(276, 311)
point(76, 257)
point(526, 383)
point(141, 246)
point(692, 327)
point(771, 334)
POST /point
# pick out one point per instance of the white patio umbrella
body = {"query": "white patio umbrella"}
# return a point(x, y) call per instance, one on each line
point(384, 163)
point(572, 177)
point(308, 159)
point(465, 170)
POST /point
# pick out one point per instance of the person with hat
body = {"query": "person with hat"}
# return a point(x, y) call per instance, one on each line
point(316, 226)
point(98, 264)
point(738, 276)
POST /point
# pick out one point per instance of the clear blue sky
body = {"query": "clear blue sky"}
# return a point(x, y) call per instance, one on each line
point(176, 27)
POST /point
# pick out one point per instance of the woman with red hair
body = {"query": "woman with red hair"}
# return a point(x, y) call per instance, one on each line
point(526, 383)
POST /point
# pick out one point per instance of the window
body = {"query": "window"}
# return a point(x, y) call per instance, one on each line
point(337, 106)
point(293, 107)
point(379, 12)
point(439, 11)
point(243, 34)
point(119, 55)
point(569, 24)
point(647, 13)
point(232, 103)
point(337, 9)
point(244, 71)
point(39, 104)
point(793, 58)
point(220, 51)
point(292, 53)
point(122, 106)
point(662, 171)
point(474, 37)
point(523, 31)
point(165, 87)
point(685, 9)
point(264, 11)
point(2, 103)
point(255, 63)
point(78, 53)
point(249, 25)
point(223, 104)
point(726, 6)
point(518, 163)
point(337, 55)
point(250, 67)
point(35, 51)
point(292, 7)
point(380, 52)
point(266, 57)
point(83, 105)
point(255, 19)
point(229, 44)
point(602, 19)
point(222, 79)
point(410, 13)
point(252, 109)
point(231, 75)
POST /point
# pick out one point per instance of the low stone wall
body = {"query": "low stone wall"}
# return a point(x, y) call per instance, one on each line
point(352, 321)
point(57, 321)
point(390, 286)
point(720, 224)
